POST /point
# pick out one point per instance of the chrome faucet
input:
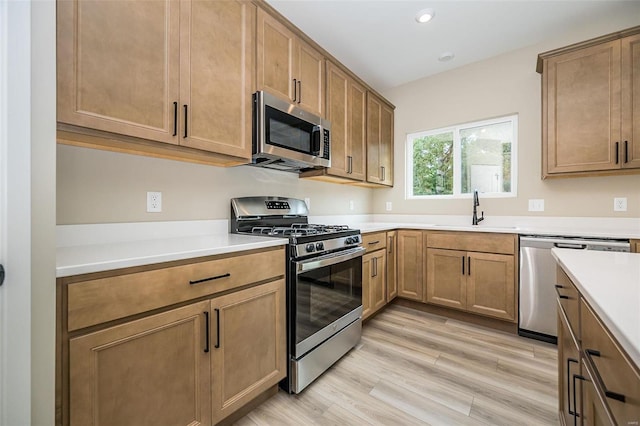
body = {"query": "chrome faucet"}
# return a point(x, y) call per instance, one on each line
point(476, 202)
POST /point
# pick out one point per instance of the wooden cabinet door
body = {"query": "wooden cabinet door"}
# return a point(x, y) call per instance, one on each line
point(374, 290)
point(581, 108)
point(357, 127)
point(491, 285)
point(379, 141)
point(635, 246)
point(309, 70)
point(410, 263)
point(152, 371)
point(568, 365)
point(630, 102)
point(118, 66)
point(367, 284)
point(248, 345)
point(346, 110)
point(275, 53)
point(392, 281)
point(446, 278)
point(217, 76)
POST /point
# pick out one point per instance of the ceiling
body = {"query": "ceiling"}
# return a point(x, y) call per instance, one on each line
point(381, 42)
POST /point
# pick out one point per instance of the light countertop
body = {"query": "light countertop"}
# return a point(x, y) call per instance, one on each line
point(83, 259)
point(610, 283)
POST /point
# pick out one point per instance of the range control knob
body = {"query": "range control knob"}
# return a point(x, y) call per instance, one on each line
point(310, 247)
point(320, 246)
point(350, 240)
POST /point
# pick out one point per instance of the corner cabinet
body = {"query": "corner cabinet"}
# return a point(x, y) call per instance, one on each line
point(473, 272)
point(132, 349)
point(379, 141)
point(289, 67)
point(589, 107)
point(164, 76)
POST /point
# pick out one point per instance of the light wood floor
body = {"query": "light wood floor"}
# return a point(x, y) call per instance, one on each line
point(413, 368)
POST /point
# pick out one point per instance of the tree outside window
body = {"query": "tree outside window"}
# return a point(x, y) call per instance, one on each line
point(459, 160)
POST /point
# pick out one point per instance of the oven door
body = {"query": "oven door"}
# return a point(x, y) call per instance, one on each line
point(326, 297)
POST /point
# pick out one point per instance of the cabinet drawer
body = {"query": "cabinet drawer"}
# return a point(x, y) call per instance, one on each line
point(473, 241)
point(569, 300)
point(100, 300)
point(612, 368)
point(374, 241)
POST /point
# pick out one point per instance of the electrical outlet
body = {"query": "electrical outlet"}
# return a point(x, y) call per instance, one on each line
point(389, 206)
point(352, 205)
point(536, 205)
point(620, 204)
point(154, 202)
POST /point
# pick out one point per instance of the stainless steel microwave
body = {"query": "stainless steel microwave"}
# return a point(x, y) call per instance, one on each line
point(286, 137)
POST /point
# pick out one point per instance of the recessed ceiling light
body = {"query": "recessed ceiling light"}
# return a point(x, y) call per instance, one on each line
point(425, 15)
point(446, 56)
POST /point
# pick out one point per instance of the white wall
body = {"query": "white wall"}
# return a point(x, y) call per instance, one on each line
point(99, 187)
point(500, 86)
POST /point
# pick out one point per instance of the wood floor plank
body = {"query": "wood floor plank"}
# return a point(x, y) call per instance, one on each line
point(416, 368)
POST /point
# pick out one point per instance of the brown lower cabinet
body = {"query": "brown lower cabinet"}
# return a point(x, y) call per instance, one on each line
point(374, 286)
point(410, 263)
point(597, 382)
point(185, 343)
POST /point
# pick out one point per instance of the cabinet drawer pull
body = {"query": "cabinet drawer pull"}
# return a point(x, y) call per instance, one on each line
point(185, 120)
point(575, 405)
point(469, 266)
point(560, 296)
point(299, 91)
point(373, 242)
point(609, 394)
point(217, 345)
point(390, 245)
point(175, 119)
point(617, 152)
point(462, 265)
point(209, 279)
point(206, 331)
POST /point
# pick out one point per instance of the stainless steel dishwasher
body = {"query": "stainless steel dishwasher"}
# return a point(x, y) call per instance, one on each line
point(537, 313)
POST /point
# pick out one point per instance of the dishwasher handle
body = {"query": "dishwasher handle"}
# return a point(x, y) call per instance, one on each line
point(570, 246)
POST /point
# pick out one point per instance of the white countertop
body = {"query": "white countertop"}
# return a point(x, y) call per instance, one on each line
point(610, 282)
point(83, 259)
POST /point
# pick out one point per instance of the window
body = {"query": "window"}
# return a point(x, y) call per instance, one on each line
point(455, 161)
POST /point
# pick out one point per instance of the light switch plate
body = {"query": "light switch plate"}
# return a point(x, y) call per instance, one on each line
point(536, 205)
point(620, 204)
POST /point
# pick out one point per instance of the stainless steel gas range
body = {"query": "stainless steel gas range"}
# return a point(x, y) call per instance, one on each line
point(324, 282)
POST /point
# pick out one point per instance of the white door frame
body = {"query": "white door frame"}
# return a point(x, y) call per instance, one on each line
point(15, 212)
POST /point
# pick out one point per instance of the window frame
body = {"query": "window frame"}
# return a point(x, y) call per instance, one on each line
point(457, 159)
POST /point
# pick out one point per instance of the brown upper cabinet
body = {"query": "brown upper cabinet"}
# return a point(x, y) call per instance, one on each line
point(591, 107)
point(179, 73)
point(379, 141)
point(288, 66)
point(347, 113)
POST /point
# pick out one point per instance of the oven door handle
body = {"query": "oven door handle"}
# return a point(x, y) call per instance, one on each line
point(330, 259)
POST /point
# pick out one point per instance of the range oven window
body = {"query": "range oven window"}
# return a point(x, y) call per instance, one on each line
point(326, 294)
point(287, 131)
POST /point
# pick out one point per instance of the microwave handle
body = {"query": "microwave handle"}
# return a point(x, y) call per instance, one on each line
point(316, 138)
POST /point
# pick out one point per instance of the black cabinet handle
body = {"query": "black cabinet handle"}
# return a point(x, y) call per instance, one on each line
point(349, 164)
point(560, 296)
point(575, 405)
point(185, 120)
point(295, 89)
point(617, 152)
point(469, 266)
point(572, 412)
point(206, 331)
point(390, 245)
point(299, 91)
point(210, 278)
point(626, 151)
point(217, 345)
point(609, 394)
point(373, 242)
point(175, 119)
point(1, 275)
point(462, 265)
